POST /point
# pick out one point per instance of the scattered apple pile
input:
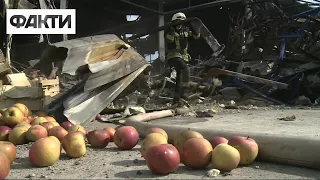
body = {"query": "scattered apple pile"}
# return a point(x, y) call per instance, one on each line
point(48, 138)
point(194, 151)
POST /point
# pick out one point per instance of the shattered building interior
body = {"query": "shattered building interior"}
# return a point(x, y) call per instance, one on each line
point(277, 40)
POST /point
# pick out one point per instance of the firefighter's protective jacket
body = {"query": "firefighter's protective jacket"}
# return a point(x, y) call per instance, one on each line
point(177, 42)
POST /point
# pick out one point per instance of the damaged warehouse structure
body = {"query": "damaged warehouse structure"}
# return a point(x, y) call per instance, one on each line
point(129, 96)
point(268, 49)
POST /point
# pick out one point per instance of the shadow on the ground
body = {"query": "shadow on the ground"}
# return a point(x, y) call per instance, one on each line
point(128, 163)
point(21, 163)
point(145, 173)
point(136, 174)
point(286, 169)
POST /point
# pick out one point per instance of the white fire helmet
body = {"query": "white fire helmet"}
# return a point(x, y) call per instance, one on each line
point(179, 16)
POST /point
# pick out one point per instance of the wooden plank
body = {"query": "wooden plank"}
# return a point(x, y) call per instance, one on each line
point(49, 82)
point(52, 91)
point(14, 92)
point(18, 79)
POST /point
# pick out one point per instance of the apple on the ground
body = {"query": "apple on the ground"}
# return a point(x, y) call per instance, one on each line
point(126, 137)
point(13, 116)
point(98, 138)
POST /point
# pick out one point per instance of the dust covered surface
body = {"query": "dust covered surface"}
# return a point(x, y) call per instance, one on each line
point(111, 163)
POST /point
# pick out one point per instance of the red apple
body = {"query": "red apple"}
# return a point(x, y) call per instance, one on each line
point(126, 137)
point(98, 117)
point(36, 132)
point(196, 153)
point(98, 138)
point(162, 159)
point(218, 140)
point(247, 147)
point(58, 132)
point(27, 120)
point(66, 125)
point(8, 149)
point(111, 132)
point(4, 133)
point(5, 165)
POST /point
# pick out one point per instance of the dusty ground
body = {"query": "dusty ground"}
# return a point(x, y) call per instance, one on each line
point(112, 163)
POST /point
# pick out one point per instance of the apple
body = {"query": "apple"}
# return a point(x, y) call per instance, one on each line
point(18, 135)
point(13, 116)
point(151, 140)
point(66, 125)
point(184, 136)
point(4, 133)
point(196, 153)
point(2, 123)
point(58, 131)
point(247, 147)
point(50, 119)
point(5, 166)
point(23, 108)
point(41, 114)
point(38, 121)
point(218, 140)
point(162, 159)
point(9, 150)
point(55, 123)
point(36, 132)
point(157, 130)
point(77, 127)
point(45, 152)
point(225, 157)
point(126, 137)
point(23, 123)
point(47, 125)
point(74, 144)
point(98, 117)
point(98, 138)
point(27, 120)
point(111, 132)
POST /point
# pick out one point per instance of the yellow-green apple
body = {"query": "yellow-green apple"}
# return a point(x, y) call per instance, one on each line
point(41, 114)
point(4, 133)
point(151, 140)
point(197, 153)
point(45, 152)
point(77, 127)
point(55, 123)
point(5, 166)
point(13, 116)
point(50, 119)
point(23, 108)
point(47, 125)
point(23, 123)
point(247, 147)
point(126, 137)
point(157, 130)
point(111, 132)
point(162, 159)
point(2, 123)
point(74, 144)
point(58, 131)
point(18, 135)
point(36, 132)
point(225, 157)
point(218, 140)
point(9, 149)
point(38, 121)
point(98, 138)
point(66, 125)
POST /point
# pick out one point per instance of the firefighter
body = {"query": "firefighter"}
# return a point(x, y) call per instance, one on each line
point(177, 57)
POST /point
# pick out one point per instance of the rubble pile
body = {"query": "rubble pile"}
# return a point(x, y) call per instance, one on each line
point(273, 54)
